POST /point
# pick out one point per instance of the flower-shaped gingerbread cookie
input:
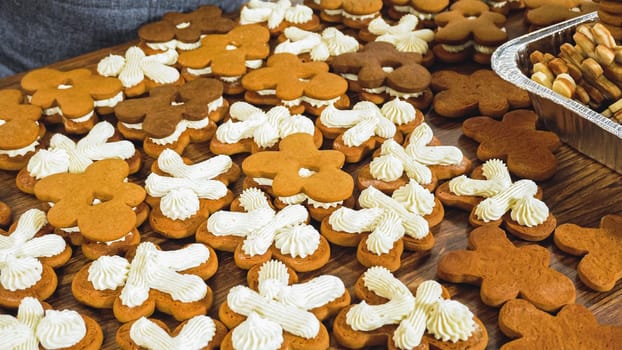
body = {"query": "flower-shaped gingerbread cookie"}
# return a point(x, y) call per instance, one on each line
point(148, 279)
point(71, 97)
point(299, 172)
point(279, 15)
point(459, 95)
point(601, 265)
point(173, 116)
point(390, 315)
point(528, 152)
point(37, 326)
point(385, 226)
point(379, 71)
point(95, 208)
point(28, 255)
point(138, 72)
point(421, 158)
point(228, 56)
point(64, 155)
point(196, 333)
point(359, 131)
point(183, 195)
point(504, 271)
point(276, 312)
point(183, 31)
point(261, 233)
point(250, 129)
point(300, 86)
point(574, 327)
point(468, 30)
point(20, 130)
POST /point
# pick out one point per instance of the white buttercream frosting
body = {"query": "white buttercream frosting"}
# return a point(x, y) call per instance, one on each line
point(20, 267)
point(398, 111)
point(60, 329)
point(195, 334)
point(108, 272)
point(404, 35)
point(350, 220)
point(518, 197)
point(257, 333)
point(418, 148)
point(413, 169)
point(497, 179)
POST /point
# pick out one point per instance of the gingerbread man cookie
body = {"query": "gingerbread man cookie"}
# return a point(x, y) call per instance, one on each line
point(173, 116)
point(148, 279)
point(275, 311)
point(528, 152)
point(97, 209)
point(65, 155)
point(249, 129)
point(385, 226)
point(458, 95)
point(29, 253)
point(543, 13)
point(72, 97)
point(184, 31)
point(468, 30)
point(20, 130)
point(299, 172)
point(300, 86)
point(505, 272)
point(197, 333)
point(228, 56)
point(379, 71)
point(260, 233)
point(279, 15)
point(183, 195)
point(37, 326)
point(139, 72)
point(424, 10)
point(390, 315)
point(574, 327)
point(601, 265)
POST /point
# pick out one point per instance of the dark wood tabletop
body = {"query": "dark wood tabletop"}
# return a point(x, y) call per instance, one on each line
point(581, 192)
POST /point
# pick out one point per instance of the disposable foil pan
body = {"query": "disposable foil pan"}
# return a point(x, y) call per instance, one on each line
point(577, 125)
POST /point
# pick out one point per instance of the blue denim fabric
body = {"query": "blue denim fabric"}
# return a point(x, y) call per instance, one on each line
point(34, 33)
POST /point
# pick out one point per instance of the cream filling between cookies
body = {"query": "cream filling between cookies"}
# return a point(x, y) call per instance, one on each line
point(359, 17)
point(412, 11)
point(335, 12)
point(163, 46)
point(21, 151)
point(109, 102)
point(179, 130)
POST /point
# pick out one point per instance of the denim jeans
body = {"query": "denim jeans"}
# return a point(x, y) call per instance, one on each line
point(34, 33)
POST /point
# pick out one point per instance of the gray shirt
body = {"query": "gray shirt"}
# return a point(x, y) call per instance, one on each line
point(34, 33)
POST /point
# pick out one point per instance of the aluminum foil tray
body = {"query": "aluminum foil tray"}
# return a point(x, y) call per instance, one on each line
point(577, 125)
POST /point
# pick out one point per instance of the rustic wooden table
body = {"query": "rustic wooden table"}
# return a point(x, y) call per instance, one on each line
point(581, 192)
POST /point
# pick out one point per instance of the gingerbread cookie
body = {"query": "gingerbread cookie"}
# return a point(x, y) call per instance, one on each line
point(183, 31)
point(298, 172)
point(20, 130)
point(574, 327)
point(249, 129)
point(183, 195)
point(37, 326)
point(505, 272)
point(404, 36)
point(259, 233)
point(543, 13)
point(390, 315)
point(199, 332)
point(275, 311)
point(173, 116)
point(5, 214)
point(459, 95)
point(227, 56)
point(424, 10)
point(421, 158)
point(64, 155)
point(148, 279)
point(310, 46)
point(300, 86)
point(469, 30)
point(279, 15)
point(30, 253)
point(601, 263)
point(528, 152)
point(97, 209)
point(379, 71)
point(139, 72)
point(385, 226)
point(72, 97)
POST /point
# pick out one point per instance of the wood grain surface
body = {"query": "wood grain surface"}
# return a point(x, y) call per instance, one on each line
point(581, 192)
